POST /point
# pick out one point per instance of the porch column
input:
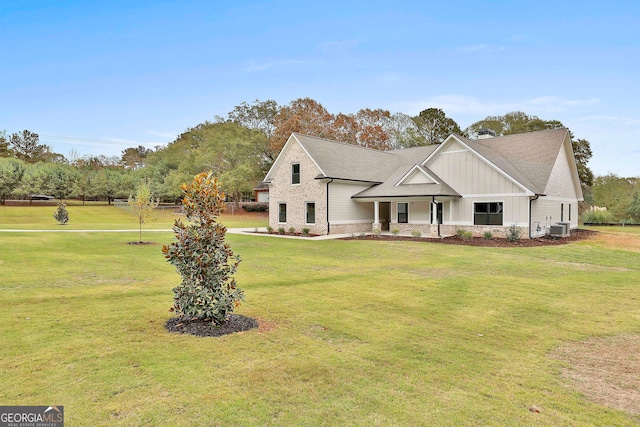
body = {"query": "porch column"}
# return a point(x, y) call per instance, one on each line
point(376, 212)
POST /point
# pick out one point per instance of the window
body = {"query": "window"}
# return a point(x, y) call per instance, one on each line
point(561, 211)
point(311, 213)
point(295, 173)
point(282, 212)
point(403, 213)
point(569, 212)
point(487, 213)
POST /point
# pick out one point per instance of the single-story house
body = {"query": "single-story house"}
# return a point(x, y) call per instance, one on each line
point(529, 180)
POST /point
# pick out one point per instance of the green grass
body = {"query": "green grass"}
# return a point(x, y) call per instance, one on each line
point(364, 332)
point(104, 217)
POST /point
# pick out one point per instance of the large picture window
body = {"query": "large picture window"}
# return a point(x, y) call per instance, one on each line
point(487, 213)
point(282, 212)
point(311, 213)
point(403, 213)
point(295, 173)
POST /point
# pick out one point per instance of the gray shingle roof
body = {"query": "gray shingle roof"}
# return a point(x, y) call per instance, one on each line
point(351, 162)
point(527, 157)
point(389, 188)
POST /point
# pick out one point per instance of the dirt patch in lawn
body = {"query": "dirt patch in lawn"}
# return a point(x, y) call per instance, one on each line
point(576, 235)
point(606, 370)
point(202, 328)
point(620, 241)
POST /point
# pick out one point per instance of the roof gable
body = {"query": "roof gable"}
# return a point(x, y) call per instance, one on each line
point(526, 159)
point(417, 175)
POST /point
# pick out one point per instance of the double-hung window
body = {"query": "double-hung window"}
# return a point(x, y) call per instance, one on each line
point(487, 213)
point(403, 213)
point(282, 212)
point(295, 173)
point(311, 213)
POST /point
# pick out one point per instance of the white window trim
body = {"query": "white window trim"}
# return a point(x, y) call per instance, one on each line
point(398, 213)
point(285, 212)
point(306, 212)
point(299, 173)
point(473, 210)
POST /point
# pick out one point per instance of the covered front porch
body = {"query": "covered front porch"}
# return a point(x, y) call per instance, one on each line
point(430, 216)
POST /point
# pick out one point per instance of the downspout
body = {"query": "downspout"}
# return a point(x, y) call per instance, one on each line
point(328, 225)
point(530, 217)
point(434, 205)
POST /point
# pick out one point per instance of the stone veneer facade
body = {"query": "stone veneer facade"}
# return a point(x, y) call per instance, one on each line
point(431, 230)
point(296, 196)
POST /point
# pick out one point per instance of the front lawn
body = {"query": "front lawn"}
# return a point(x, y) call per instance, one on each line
point(107, 217)
point(352, 332)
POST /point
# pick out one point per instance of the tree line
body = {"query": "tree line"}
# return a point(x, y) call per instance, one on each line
point(240, 147)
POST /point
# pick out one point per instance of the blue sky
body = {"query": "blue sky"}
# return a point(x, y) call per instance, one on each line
point(98, 77)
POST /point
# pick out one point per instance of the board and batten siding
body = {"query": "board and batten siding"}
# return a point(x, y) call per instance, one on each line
point(477, 181)
point(467, 173)
point(343, 209)
point(296, 196)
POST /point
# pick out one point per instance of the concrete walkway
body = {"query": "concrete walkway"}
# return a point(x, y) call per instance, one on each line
point(261, 232)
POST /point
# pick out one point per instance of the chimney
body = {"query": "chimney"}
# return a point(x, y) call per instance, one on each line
point(486, 134)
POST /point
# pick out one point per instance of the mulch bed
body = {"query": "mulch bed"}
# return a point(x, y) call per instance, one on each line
point(576, 235)
point(202, 328)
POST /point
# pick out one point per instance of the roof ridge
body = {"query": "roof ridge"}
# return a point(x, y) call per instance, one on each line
point(347, 144)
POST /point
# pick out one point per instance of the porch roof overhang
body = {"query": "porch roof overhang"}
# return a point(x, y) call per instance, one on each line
point(420, 197)
point(407, 191)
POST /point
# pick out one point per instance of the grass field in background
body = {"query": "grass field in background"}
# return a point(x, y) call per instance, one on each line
point(354, 332)
point(101, 216)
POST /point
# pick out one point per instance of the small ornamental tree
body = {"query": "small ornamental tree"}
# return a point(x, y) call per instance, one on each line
point(142, 204)
point(61, 215)
point(201, 256)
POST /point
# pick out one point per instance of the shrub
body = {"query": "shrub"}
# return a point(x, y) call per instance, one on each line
point(416, 233)
point(305, 231)
point(269, 229)
point(597, 217)
point(201, 256)
point(377, 232)
point(292, 230)
point(260, 207)
point(395, 231)
point(487, 235)
point(61, 215)
point(514, 233)
point(280, 230)
point(464, 234)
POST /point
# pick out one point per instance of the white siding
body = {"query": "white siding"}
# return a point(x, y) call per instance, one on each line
point(419, 213)
point(467, 173)
point(418, 177)
point(548, 211)
point(343, 209)
point(478, 181)
point(561, 179)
